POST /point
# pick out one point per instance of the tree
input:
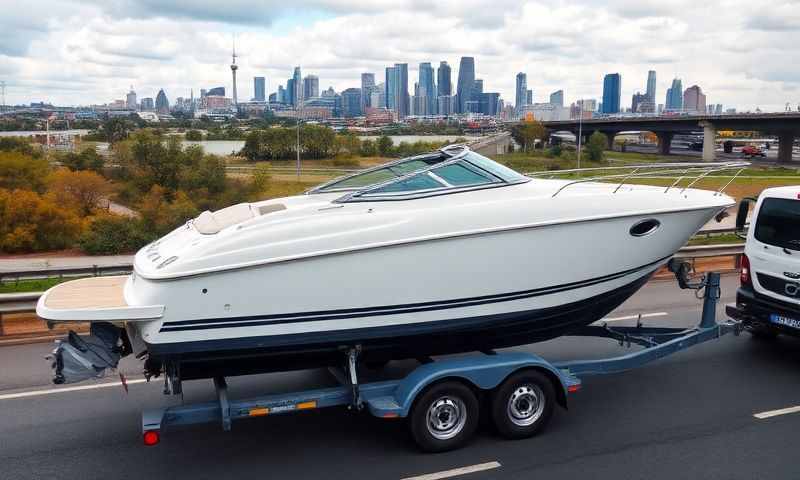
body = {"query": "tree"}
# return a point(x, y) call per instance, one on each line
point(595, 146)
point(109, 234)
point(20, 171)
point(368, 148)
point(159, 216)
point(88, 159)
point(194, 135)
point(385, 146)
point(527, 133)
point(83, 190)
point(115, 129)
point(30, 222)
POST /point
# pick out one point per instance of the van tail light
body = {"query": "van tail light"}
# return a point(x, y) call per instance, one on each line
point(744, 276)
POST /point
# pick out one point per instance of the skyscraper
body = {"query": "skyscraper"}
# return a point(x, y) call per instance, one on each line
point(557, 98)
point(351, 102)
point(466, 82)
point(259, 89)
point(290, 92)
point(297, 93)
point(651, 86)
point(694, 100)
point(674, 100)
point(443, 77)
point(310, 87)
point(367, 84)
point(529, 97)
point(162, 104)
point(397, 89)
point(427, 88)
point(130, 100)
point(612, 91)
point(389, 86)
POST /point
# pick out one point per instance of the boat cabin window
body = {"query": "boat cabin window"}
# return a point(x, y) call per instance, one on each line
point(432, 174)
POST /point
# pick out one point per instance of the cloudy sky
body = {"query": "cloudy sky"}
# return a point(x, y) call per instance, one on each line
point(743, 53)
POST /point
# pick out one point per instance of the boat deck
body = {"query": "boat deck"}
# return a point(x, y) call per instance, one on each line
point(96, 292)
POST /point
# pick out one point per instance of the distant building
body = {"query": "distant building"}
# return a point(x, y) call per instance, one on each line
point(674, 100)
point(216, 91)
point(466, 82)
point(147, 104)
point(718, 109)
point(640, 103)
point(427, 89)
point(367, 84)
point(290, 92)
point(694, 100)
point(162, 104)
point(310, 87)
point(397, 97)
point(377, 96)
point(521, 98)
point(280, 95)
point(329, 92)
point(446, 105)
point(297, 87)
point(444, 81)
point(259, 89)
point(351, 102)
point(529, 97)
point(130, 99)
point(651, 87)
point(545, 112)
point(557, 98)
point(612, 91)
point(379, 116)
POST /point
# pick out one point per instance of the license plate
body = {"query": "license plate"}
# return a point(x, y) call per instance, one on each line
point(785, 321)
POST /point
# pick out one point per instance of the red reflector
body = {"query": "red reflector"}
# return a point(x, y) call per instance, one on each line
point(151, 437)
point(573, 388)
point(744, 275)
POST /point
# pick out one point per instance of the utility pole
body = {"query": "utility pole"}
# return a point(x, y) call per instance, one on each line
point(580, 130)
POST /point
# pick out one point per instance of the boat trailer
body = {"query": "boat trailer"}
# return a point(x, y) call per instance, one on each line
point(441, 397)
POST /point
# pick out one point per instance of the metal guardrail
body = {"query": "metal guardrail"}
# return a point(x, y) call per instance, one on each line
point(66, 272)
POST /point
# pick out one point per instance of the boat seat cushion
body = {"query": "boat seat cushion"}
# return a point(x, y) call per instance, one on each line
point(209, 223)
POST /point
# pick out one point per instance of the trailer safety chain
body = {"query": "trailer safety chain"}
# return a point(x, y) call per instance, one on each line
point(352, 363)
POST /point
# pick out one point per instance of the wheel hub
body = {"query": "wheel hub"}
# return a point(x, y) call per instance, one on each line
point(525, 405)
point(446, 417)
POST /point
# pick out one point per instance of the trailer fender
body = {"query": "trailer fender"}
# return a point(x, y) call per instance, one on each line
point(483, 372)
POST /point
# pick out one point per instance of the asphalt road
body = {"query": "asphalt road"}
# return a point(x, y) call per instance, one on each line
point(689, 415)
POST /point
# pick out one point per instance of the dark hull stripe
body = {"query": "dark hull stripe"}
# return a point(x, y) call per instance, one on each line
point(318, 316)
point(269, 353)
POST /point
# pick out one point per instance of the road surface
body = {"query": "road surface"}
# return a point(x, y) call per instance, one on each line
point(690, 415)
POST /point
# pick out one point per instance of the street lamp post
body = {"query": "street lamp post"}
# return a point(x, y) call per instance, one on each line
point(297, 122)
point(580, 130)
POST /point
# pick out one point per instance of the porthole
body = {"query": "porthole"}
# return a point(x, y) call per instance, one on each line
point(644, 227)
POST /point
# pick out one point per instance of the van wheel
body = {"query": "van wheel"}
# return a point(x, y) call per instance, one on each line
point(444, 417)
point(523, 404)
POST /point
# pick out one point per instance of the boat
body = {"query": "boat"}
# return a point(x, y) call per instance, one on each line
point(439, 253)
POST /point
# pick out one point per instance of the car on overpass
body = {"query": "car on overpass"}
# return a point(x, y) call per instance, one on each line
point(768, 300)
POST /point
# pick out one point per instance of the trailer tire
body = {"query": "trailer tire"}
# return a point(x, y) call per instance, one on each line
point(523, 404)
point(444, 417)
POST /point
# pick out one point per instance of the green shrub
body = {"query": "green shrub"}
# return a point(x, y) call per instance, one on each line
point(113, 234)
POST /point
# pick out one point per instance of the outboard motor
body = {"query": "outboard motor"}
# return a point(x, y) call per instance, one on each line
point(81, 357)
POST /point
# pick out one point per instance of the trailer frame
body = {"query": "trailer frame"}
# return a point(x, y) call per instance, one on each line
point(484, 372)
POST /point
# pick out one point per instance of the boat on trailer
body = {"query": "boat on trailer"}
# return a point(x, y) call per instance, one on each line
point(440, 253)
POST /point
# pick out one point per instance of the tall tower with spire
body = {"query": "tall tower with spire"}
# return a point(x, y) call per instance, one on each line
point(234, 67)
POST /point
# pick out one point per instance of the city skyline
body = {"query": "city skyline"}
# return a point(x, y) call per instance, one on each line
point(80, 54)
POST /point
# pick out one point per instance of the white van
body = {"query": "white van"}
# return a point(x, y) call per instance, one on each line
point(768, 300)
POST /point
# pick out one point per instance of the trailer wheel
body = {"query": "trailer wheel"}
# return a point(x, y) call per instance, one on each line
point(523, 404)
point(444, 417)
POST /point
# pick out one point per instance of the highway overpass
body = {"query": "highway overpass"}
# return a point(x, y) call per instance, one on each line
point(786, 126)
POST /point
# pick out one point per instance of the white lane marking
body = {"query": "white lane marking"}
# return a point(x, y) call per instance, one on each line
point(36, 393)
point(775, 413)
point(457, 471)
point(634, 317)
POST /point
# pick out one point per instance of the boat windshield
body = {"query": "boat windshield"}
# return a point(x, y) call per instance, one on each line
point(432, 174)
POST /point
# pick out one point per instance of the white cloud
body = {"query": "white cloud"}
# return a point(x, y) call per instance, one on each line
point(80, 53)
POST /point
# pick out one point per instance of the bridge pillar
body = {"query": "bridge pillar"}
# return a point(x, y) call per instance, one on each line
point(785, 143)
point(709, 141)
point(664, 142)
point(610, 139)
